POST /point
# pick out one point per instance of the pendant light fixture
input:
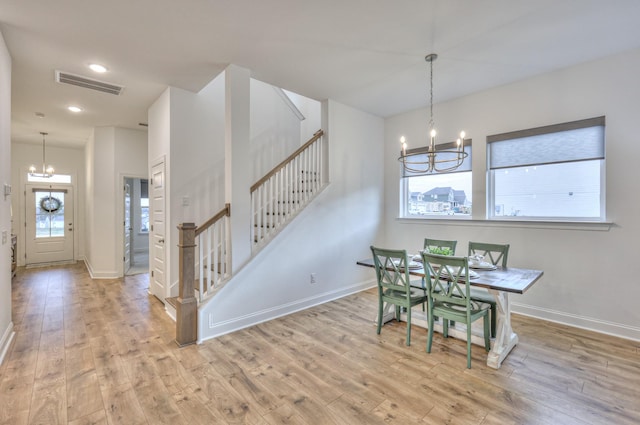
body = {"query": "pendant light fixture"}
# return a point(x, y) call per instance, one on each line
point(431, 159)
point(47, 171)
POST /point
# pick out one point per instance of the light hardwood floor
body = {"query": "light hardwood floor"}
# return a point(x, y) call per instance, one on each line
point(102, 352)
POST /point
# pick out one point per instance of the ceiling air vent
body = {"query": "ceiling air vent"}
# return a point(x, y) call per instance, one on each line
point(87, 83)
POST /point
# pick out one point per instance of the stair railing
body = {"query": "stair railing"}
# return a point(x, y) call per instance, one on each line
point(286, 189)
point(213, 264)
point(212, 267)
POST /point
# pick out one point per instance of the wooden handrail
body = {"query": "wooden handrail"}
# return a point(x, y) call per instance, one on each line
point(291, 157)
point(225, 211)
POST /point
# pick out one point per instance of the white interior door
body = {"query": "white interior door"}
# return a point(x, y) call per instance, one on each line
point(127, 228)
point(157, 282)
point(49, 223)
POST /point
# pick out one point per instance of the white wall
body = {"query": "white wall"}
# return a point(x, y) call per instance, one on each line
point(326, 238)
point(130, 161)
point(275, 129)
point(311, 110)
point(89, 182)
point(197, 161)
point(101, 246)
point(65, 161)
point(111, 154)
point(6, 325)
point(588, 273)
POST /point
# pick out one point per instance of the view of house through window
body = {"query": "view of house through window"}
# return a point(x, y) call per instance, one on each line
point(438, 194)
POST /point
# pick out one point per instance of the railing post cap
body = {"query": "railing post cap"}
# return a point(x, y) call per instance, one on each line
point(186, 226)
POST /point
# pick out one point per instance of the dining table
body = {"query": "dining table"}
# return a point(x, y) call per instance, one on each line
point(500, 282)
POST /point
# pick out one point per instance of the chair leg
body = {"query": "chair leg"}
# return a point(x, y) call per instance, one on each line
point(380, 315)
point(408, 326)
point(430, 333)
point(445, 328)
point(469, 345)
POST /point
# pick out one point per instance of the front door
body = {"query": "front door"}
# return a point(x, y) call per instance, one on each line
point(49, 223)
point(158, 216)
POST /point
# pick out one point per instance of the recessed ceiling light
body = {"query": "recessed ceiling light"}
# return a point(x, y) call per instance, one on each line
point(74, 109)
point(96, 67)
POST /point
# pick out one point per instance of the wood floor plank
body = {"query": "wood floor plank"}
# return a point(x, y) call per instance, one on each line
point(194, 410)
point(83, 396)
point(122, 406)
point(97, 418)
point(158, 405)
point(15, 397)
point(48, 404)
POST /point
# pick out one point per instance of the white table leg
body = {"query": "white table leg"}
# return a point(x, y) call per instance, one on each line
point(388, 313)
point(505, 339)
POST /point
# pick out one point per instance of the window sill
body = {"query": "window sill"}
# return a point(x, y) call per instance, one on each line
point(603, 226)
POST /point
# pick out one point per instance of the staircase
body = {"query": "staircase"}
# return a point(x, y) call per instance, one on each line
point(275, 201)
point(283, 192)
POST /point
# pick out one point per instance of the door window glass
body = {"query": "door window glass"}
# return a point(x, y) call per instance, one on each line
point(49, 214)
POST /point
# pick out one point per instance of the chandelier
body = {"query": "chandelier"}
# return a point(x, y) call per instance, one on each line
point(47, 171)
point(432, 159)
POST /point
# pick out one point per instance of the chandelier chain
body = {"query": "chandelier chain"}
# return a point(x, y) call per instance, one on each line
point(431, 124)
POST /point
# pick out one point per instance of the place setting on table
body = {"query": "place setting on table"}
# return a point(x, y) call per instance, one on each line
point(476, 262)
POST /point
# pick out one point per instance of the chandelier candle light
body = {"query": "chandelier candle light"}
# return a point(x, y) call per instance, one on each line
point(47, 171)
point(428, 160)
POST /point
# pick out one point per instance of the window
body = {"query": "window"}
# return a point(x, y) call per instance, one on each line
point(144, 206)
point(56, 178)
point(438, 194)
point(554, 172)
point(49, 207)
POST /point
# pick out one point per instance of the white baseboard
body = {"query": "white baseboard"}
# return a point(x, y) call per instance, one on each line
point(582, 322)
point(5, 342)
point(99, 275)
point(170, 310)
point(209, 329)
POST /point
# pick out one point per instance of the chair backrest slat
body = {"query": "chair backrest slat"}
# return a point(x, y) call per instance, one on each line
point(495, 253)
point(392, 271)
point(448, 278)
point(440, 246)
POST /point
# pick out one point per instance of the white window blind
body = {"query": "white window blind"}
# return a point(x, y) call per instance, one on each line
point(575, 141)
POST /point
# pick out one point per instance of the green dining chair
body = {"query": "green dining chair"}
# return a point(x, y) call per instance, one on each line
point(440, 246)
point(449, 297)
point(394, 284)
point(496, 254)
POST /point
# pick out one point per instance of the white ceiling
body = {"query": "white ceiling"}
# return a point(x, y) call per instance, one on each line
point(365, 53)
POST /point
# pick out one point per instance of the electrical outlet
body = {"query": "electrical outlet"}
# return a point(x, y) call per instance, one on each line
point(312, 278)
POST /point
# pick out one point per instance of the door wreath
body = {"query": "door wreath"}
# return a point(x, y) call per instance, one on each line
point(50, 204)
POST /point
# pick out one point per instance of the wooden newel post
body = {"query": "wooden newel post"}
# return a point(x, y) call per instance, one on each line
point(186, 304)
